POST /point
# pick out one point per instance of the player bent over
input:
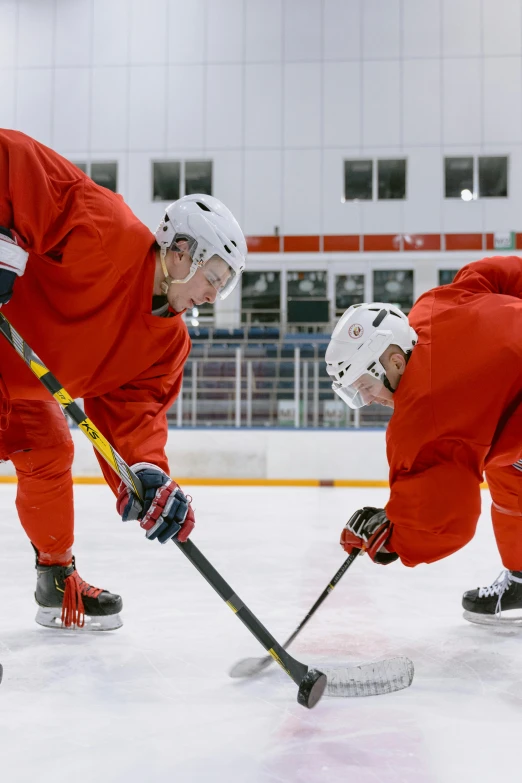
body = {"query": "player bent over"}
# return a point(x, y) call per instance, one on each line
point(452, 372)
point(99, 298)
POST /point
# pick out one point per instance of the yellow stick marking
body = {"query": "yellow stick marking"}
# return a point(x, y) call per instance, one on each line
point(62, 397)
point(99, 442)
point(37, 368)
point(231, 605)
point(278, 660)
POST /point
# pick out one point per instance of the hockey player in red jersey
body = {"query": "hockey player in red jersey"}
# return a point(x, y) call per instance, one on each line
point(452, 371)
point(99, 298)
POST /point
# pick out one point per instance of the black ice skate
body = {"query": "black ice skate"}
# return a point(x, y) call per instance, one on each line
point(66, 601)
point(496, 604)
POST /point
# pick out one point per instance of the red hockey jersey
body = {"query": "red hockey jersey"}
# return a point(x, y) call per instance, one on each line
point(458, 409)
point(84, 302)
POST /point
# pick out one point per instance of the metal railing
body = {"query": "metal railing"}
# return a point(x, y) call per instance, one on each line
point(234, 390)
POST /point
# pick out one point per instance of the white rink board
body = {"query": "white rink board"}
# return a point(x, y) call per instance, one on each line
point(259, 453)
point(153, 702)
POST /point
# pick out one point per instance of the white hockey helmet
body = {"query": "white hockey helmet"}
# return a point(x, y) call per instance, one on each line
point(358, 341)
point(211, 230)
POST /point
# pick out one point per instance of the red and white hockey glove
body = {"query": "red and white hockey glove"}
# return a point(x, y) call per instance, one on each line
point(165, 512)
point(369, 529)
point(13, 259)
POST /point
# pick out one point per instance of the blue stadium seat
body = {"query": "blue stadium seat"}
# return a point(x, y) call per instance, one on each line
point(286, 370)
point(256, 332)
point(198, 333)
point(197, 350)
point(222, 334)
point(254, 351)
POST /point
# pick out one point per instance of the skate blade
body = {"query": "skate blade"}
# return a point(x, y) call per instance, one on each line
point(493, 619)
point(50, 617)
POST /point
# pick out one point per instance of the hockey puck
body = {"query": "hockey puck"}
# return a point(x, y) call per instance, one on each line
point(311, 688)
point(1, 672)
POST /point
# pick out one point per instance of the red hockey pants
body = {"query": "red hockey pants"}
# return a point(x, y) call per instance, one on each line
point(505, 486)
point(38, 443)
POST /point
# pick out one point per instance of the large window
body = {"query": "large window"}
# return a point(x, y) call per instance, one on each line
point(493, 176)
point(359, 181)
point(394, 286)
point(391, 178)
point(261, 296)
point(349, 290)
point(172, 179)
point(446, 276)
point(104, 173)
point(198, 176)
point(306, 284)
point(458, 174)
point(467, 178)
point(166, 177)
point(306, 294)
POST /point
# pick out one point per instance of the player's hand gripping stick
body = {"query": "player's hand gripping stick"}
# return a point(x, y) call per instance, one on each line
point(311, 682)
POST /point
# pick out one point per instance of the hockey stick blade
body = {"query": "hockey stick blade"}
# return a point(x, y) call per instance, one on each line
point(250, 667)
point(367, 679)
point(370, 679)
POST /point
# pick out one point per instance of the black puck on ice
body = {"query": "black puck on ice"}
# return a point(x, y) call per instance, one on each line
point(311, 688)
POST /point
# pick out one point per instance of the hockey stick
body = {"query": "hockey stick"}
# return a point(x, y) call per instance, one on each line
point(366, 679)
point(250, 667)
point(311, 682)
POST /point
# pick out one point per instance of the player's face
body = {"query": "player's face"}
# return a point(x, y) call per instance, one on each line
point(202, 288)
point(373, 391)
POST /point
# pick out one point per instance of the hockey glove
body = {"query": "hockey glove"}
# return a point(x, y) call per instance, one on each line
point(165, 511)
point(369, 529)
point(13, 259)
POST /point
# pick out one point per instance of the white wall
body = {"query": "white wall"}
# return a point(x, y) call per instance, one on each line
point(277, 92)
point(260, 454)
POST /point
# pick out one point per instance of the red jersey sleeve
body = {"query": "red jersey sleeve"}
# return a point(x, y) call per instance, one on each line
point(435, 506)
point(133, 418)
point(497, 275)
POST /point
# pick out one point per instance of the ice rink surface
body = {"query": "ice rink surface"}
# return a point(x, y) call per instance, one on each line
point(153, 702)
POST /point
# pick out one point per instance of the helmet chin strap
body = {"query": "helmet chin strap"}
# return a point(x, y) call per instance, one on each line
point(387, 385)
point(167, 282)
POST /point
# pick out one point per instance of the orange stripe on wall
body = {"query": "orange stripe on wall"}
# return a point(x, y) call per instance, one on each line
point(336, 244)
point(382, 242)
point(263, 244)
point(464, 241)
point(301, 244)
point(354, 243)
point(421, 242)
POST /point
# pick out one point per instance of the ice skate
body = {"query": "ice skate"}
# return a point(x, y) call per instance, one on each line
point(499, 603)
point(66, 601)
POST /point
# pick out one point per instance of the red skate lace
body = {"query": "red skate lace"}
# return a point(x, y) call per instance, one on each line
point(73, 611)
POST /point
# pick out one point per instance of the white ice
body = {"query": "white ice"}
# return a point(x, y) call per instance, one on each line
point(152, 701)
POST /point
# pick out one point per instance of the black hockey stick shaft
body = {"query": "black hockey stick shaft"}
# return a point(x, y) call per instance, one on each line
point(293, 668)
point(326, 592)
point(248, 667)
